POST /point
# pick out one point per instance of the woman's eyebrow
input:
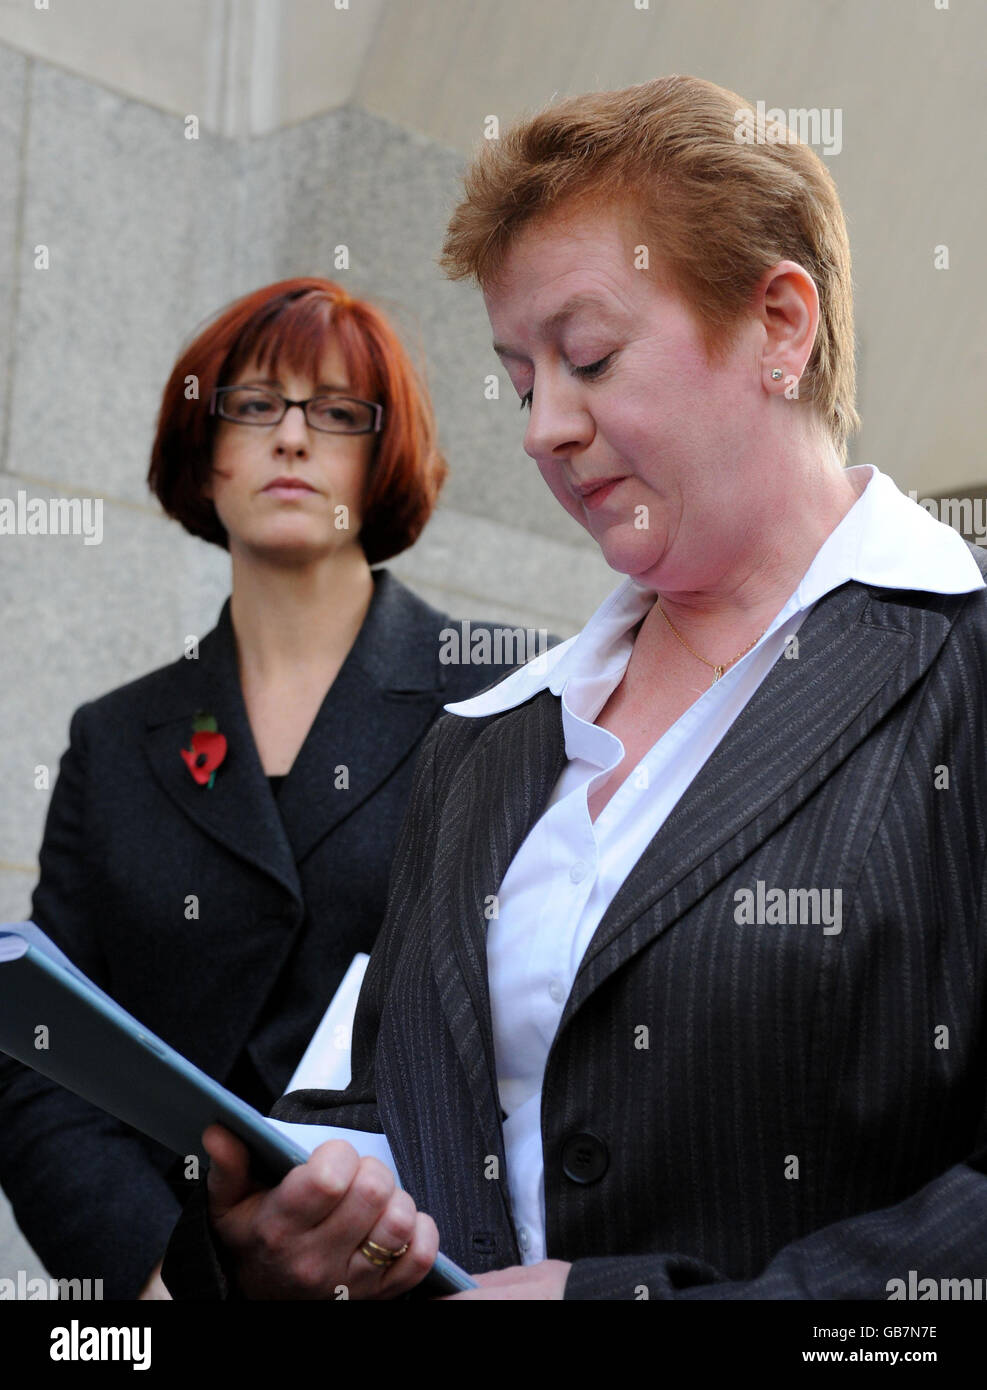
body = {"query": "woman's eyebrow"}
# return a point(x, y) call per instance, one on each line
point(322, 388)
point(556, 321)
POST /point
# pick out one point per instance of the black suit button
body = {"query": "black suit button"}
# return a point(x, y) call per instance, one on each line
point(584, 1158)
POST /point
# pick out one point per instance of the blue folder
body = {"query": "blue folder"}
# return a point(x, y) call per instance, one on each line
point(56, 1021)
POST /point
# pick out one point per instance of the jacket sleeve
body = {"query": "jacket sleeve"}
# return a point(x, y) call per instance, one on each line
point(939, 1233)
point(83, 1186)
point(195, 1266)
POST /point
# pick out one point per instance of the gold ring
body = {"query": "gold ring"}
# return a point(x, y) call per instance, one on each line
point(379, 1254)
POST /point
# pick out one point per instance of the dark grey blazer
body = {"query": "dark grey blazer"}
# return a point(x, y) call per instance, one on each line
point(286, 892)
point(799, 1125)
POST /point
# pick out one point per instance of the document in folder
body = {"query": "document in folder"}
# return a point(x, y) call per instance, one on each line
point(54, 1019)
point(326, 1063)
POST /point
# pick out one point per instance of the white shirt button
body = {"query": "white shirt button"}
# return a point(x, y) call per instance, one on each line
point(578, 871)
point(524, 1238)
point(557, 989)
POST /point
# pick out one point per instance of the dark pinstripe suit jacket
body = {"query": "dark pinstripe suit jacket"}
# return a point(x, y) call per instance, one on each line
point(800, 1124)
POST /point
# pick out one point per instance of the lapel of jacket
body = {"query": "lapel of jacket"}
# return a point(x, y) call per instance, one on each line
point(238, 810)
point(505, 782)
point(860, 650)
point(857, 658)
point(373, 717)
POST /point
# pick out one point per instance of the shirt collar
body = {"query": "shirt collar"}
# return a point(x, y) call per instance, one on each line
point(885, 540)
point(889, 542)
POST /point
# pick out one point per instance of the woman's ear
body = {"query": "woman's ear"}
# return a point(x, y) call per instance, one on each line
point(789, 311)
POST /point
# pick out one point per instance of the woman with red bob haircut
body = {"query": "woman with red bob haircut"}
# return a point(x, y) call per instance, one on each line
point(293, 322)
point(220, 836)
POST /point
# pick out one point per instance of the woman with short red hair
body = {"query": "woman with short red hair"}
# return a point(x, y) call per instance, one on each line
point(724, 1036)
point(219, 840)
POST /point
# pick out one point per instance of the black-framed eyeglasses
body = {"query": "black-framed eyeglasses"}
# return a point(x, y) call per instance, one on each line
point(257, 405)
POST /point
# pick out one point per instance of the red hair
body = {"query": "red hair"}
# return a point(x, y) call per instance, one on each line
point(293, 322)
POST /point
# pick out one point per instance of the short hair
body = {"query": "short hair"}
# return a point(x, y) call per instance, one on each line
point(294, 321)
point(720, 211)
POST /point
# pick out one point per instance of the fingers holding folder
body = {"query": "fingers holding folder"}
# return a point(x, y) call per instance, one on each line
point(332, 1228)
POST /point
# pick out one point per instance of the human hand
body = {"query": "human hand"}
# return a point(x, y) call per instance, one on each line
point(539, 1281)
point(302, 1238)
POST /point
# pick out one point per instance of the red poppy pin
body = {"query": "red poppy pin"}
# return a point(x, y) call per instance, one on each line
point(207, 751)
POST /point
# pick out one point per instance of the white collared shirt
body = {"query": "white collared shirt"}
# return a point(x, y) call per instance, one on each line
point(569, 868)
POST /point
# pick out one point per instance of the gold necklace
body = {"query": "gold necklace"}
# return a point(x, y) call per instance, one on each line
point(717, 667)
